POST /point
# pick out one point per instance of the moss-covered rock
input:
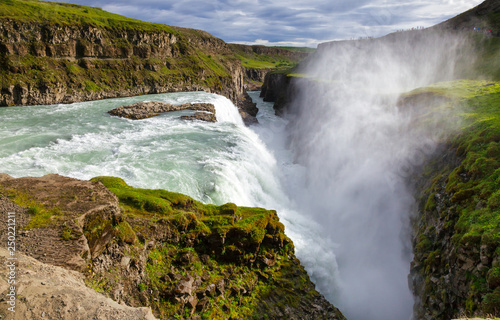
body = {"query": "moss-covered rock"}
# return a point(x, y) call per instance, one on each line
point(163, 250)
point(457, 231)
point(207, 261)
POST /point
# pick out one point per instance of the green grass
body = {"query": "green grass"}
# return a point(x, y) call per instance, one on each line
point(210, 242)
point(280, 58)
point(30, 11)
point(470, 190)
point(40, 215)
point(296, 49)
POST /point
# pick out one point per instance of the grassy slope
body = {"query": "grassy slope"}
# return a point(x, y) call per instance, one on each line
point(248, 235)
point(267, 61)
point(465, 199)
point(30, 11)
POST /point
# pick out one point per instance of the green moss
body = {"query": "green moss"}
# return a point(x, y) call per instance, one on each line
point(40, 215)
point(125, 233)
point(493, 278)
point(491, 302)
point(96, 227)
point(241, 251)
point(69, 234)
point(469, 190)
point(72, 14)
point(431, 202)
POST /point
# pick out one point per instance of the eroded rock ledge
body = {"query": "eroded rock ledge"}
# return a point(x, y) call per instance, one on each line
point(143, 110)
point(150, 249)
point(52, 292)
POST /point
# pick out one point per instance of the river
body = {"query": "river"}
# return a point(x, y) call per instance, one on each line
point(219, 163)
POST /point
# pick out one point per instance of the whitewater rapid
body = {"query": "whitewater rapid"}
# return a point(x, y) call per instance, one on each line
point(212, 162)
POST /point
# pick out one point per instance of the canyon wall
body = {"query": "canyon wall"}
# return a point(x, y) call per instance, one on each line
point(46, 62)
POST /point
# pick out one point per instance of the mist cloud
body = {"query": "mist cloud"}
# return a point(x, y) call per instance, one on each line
point(347, 130)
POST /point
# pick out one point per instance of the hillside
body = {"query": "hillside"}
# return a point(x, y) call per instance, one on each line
point(259, 60)
point(485, 16)
point(155, 249)
point(456, 231)
point(60, 53)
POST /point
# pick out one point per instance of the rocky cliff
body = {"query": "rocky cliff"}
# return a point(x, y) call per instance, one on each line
point(281, 88)
point(150, 249)
point(456, 267)
point(60, 53)
point(70, 298)
point(260, 60)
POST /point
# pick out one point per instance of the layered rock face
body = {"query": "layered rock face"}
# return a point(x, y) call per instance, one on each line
point(69, 298)
point(151, 248)
point(46, 62)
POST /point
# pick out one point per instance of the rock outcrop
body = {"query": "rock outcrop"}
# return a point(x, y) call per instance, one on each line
point(456, 266)
point(282, 88)
point(255, 78)
point(151, 249)
point(84, 201)
point(143, 110)
point(45, 291)
point(201, 116)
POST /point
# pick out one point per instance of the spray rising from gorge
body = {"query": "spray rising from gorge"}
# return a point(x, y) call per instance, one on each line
point(340, 192)
point(357, 147)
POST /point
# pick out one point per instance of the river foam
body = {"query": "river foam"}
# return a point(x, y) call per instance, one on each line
point(212, 162)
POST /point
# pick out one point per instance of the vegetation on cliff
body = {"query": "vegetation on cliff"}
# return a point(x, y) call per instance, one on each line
point(56, 52)
point(261, 57)
point(456, 269)
point(216, 261)
point(164, 250)
point(258, 61)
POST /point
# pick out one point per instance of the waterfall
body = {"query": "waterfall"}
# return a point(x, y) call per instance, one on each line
point(352, 139)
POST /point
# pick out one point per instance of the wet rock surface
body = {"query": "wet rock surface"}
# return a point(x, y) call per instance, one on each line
point(143, 110)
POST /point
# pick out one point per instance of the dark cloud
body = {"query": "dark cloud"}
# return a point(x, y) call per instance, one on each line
point(289, 22)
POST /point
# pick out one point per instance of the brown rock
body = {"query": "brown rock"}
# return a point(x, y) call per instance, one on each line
point(143, 110)
point(57, 293)
point(201, 116)
point(74, 204)
point(185, 286)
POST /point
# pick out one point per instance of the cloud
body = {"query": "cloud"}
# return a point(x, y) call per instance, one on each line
point(291, 21)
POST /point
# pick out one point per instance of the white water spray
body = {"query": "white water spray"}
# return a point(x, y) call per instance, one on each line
point(338, 202)
point(352, 140)
point(212, 162)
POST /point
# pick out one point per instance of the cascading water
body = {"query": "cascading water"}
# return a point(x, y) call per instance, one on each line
point(212, 162)
point(353, 141)
point(331, 170)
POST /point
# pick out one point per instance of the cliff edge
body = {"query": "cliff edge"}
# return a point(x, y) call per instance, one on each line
point(154, 249)
point(61, 53)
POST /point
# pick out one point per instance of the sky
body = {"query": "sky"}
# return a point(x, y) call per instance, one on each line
point(289, 22)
